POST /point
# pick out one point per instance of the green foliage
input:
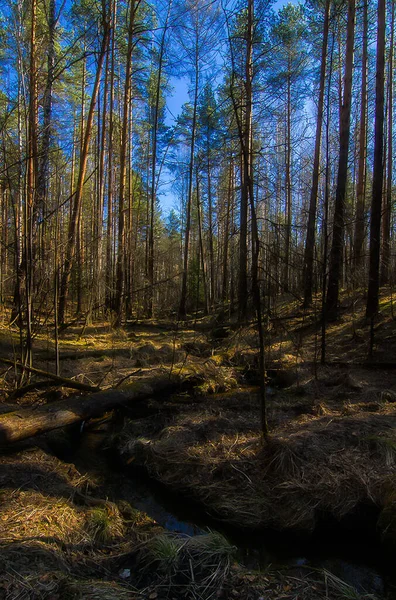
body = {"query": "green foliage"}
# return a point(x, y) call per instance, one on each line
point(211, 546)
point(289, 59)
point(163, 551)
point(99, 525)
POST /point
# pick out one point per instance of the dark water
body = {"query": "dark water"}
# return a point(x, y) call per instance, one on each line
point(350, 553)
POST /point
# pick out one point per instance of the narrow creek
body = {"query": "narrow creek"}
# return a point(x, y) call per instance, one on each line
point(350, 553)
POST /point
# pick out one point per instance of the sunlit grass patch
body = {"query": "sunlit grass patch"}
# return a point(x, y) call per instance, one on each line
point(104, 524)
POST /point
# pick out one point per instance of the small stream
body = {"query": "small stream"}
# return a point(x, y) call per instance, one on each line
point(353, 555)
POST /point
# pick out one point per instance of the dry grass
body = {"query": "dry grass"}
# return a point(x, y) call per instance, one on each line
point(56, 537)
point(291, 584)
point(327, 461)
point(193, 567)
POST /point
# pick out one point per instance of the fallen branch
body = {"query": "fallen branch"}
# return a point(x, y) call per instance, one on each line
point(79, 355)
point(30, 387)
point(71, 383)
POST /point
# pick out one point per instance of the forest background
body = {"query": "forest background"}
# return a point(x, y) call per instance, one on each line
point(280, 161)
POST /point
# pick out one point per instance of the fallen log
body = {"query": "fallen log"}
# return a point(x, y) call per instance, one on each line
point(28, 422)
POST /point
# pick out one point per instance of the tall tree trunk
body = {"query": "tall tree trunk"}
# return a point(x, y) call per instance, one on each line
point(120, 283)
point(77, 199)
point(154, 165)
point(183, 297)
point(212, 289)
point(99, 212)
point(335, 268)
point(230, 196)
point(109, 296)
point(378, 170)
point(42, 182)
point(32, 152)
point(326, 207)
point(359, 234)
point(386, 224)
point(310, 238)
point(288, 198)
point(201, 246)
point(43, 167)
point(79, 236)
point(246, 139)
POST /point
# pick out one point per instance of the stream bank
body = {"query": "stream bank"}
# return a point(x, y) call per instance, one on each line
point(324, 483)
point(84, 529)
point(353, 555)
point(340, 548)
point(63, 537)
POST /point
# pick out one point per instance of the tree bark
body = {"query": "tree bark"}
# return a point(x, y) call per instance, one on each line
point(378, 171)
point(339, 208)
point(288, 189)
point(30, 202)
point(310, 238)
point(76, 209)
point(120, 283)
point(109, 295)
point(246, 140)
point(359, 235)
point(386, 224)
point(150, 306)
point(183, 297)
point(201, 247)
point(25, 423)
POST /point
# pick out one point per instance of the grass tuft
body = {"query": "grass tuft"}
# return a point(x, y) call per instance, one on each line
point(343, 590)
point(104, 524)
point(162, 552)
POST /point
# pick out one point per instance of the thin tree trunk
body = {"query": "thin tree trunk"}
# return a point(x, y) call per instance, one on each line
point(120, 283)
point(386, 224)
point(230, 195)
point(150, 306)
point(245, 138)
point(359, 235)
point(183, 297)
point(77, 200)
point(326, 208)
point(378, 170)
point(212, 290)
point(310, 238)
point(109, 297)
point(288, 207)
point(31, 187)
point(335, 269)
point(42, 182)
point(98, 219)
point(201, 246)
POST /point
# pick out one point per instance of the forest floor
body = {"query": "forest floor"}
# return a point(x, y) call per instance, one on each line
point(329, 460)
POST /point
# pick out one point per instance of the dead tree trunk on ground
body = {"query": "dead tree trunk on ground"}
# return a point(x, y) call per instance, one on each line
point(27, 422)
